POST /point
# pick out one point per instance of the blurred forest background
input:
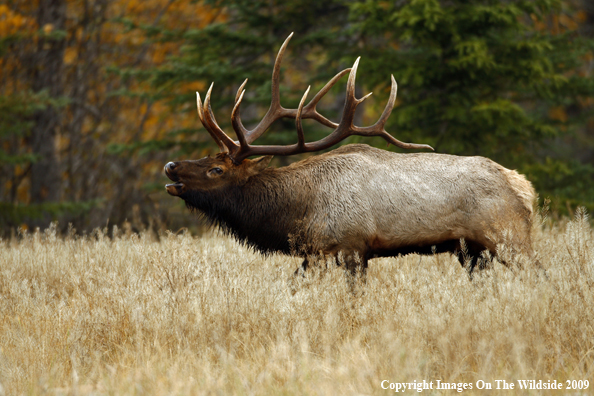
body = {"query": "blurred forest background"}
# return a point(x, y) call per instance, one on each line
point(97, 95)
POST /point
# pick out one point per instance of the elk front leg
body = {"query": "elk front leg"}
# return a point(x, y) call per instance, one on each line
point(302, 268)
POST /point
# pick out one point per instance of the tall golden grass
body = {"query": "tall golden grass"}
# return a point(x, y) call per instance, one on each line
point(182, 315)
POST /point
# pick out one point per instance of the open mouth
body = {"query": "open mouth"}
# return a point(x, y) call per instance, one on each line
point(173, 188)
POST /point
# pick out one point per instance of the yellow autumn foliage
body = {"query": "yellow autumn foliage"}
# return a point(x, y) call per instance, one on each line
point(12, 22)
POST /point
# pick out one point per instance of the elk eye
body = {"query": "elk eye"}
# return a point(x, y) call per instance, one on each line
point(215, 171)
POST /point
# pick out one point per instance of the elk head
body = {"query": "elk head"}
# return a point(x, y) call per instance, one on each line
point(231, 166)
point(210, 173)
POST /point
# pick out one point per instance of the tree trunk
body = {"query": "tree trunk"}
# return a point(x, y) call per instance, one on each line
point(47, 76)
point(588, 27)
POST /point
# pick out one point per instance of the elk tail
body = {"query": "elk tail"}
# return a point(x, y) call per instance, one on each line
point(522, 189)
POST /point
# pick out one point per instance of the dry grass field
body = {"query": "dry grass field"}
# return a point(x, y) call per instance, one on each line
point(181, 315)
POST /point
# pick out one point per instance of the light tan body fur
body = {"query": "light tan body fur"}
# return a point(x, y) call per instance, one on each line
point(366, 202)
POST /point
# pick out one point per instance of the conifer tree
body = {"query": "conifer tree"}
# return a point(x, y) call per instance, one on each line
point(245, 46)
point(491, 78)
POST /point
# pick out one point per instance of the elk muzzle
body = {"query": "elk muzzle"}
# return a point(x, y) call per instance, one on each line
point(177, 188)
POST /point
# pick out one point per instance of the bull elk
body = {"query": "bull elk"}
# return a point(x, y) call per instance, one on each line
point(356, 202)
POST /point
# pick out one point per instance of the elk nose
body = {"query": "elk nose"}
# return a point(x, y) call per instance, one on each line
point(170, 166)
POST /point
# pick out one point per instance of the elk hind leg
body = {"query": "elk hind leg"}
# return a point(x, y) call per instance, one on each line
point(470, 257)
point(523, 247)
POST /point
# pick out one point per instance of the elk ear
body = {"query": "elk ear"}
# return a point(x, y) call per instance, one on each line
point(257, 165)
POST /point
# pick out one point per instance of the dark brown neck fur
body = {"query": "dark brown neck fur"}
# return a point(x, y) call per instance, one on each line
point(251, 212)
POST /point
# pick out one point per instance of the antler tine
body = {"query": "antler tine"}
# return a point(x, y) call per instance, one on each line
point(343, 130)
point(377, 129)
point(275, 111)
point(351, 102)
point(310, 110)
point(236, 121)
point(238, 127)
point(222, 147)
point(275, 86)
point(298, 124)
point(391, 102)
point(242, 149)
point(212, 126)
point(199, 106)
point(240, 90)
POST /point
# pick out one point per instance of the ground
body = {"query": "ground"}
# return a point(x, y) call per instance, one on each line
point(185, 315)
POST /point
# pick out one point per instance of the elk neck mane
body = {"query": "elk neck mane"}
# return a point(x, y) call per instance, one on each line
point(249, 212)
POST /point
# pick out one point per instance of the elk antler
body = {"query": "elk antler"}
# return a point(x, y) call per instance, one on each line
point(242, 149)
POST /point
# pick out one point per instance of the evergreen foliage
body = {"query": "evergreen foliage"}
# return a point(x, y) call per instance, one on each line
point(486, 78)
point(243, 46)
point(95, 99)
